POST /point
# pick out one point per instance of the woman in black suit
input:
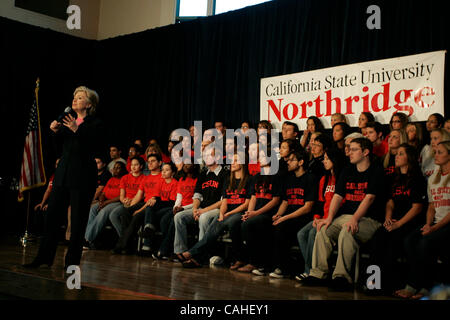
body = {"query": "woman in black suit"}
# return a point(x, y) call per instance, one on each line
point(75, 178)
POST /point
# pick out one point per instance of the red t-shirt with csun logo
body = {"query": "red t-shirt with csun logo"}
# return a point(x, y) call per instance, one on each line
point(151, 186)
point(186, 188)
point(112, 188)
point(168, 191)
point(131, 184)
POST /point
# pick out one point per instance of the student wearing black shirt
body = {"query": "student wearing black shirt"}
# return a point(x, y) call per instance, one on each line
point(318, 146)
point(257, 220)
point(351, 224)
point(103, 175)
point(236, 197)
point(299, 193)
point(407, 197)
point(207, 200)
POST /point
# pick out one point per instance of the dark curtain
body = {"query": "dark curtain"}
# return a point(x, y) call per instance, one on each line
point(207, 69)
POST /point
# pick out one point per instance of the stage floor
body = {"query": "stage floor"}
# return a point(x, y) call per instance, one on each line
point(128, 277)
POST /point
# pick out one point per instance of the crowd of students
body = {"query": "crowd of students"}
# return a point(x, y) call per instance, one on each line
point(332, 190)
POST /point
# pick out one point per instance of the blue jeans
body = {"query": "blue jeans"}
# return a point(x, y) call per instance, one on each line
point(185, 217)
point(116, 220)
point(306, 237)
point(202, 248)
point(97, 219)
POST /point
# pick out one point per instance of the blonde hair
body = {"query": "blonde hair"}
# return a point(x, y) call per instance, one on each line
point(403, 139)
point(92, 97)
point(437, 179)
point(341, 117)
point(445, 137)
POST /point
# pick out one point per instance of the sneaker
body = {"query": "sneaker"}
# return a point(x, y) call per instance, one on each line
point(277, 273)
point(216, 260)
point(148, 231)
point(259, 272)
point(301, 277)
point(314, 282)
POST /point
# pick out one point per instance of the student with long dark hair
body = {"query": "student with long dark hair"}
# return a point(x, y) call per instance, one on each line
point(313, 124)
point(236, 195)
point(257, 220)
point(406, 202)
point(424, 245)
point(333, 163)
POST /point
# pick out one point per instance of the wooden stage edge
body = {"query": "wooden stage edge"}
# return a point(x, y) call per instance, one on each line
point(129, 277)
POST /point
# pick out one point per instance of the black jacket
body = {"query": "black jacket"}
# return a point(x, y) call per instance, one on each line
point(77, 167)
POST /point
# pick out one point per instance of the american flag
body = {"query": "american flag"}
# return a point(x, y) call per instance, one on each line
point(32, 171)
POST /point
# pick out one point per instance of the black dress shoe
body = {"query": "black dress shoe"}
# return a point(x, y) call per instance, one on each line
point(36, 264)
point(311, 281)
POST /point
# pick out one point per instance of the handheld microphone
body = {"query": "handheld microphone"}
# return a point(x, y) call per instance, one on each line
point(67, 111)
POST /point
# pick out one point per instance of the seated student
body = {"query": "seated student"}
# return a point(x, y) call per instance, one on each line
point(134, 151)
point(153, 214)
point(375, 134)
point(426, 158)
point(257, 220)
point(287, 146)
point(313, 125)
point(337, 117)
point(349, 139)
point(129, 186)
point(447, 125)
point(406, 200)
point(364, 118)
point(114, 153)
point(236, 195)
point(319, 143)
point(148, 191)
point(398, 121)
point(340, 130)
point(360, 184)
point(333, 163)
point(109, 200)
point(396, 138)
point(155, 148)
point(299, 192)
point(289, 130)
point(414, 135)
point(103, 176)
point(185, 192)
point(424, 245)
point(253, 168)
point(206, 204)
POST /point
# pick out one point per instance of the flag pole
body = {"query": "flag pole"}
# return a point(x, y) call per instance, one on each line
point(27, 237)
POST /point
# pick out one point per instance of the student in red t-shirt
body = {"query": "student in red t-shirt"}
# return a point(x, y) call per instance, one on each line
point(185, 192)
point(333, 162)
point(153, 214)
point(109, 199)
point(375, 135)
point(147, 194)
point(129, 186)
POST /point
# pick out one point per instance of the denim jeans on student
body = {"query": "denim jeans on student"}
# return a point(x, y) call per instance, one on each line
point(184, 218)
point(202, 249)
point(116, 220)
point(97, 219)
point(306, 237)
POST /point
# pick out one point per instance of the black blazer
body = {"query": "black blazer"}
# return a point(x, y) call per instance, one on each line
point(77, 167)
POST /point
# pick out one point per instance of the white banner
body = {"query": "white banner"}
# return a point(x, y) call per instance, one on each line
point(413, 85)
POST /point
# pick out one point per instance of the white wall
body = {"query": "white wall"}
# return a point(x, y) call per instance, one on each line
point(119, 17)
point(89, 18)
point(101, 19)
